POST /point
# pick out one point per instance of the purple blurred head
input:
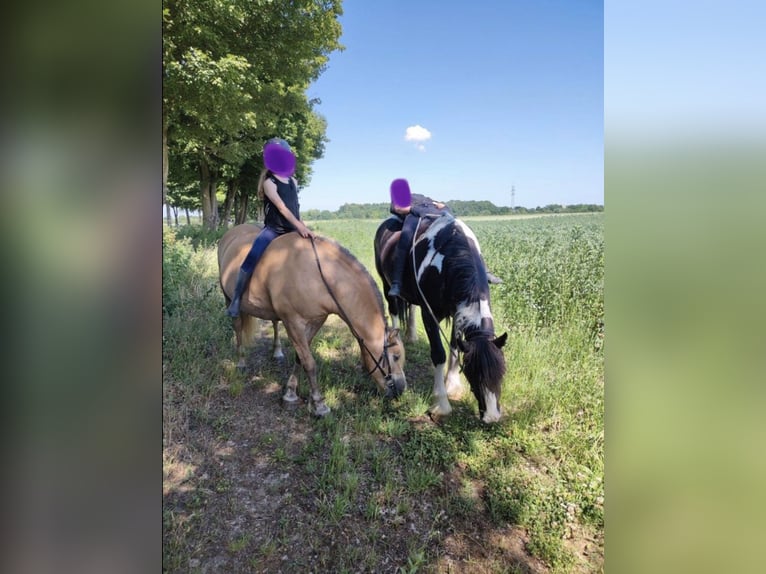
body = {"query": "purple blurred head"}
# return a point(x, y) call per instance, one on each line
point(400, 193)
point(278, 157)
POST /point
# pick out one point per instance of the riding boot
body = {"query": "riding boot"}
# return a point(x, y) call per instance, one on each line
point(242, 280)
point(400, 260)
point(493, 279)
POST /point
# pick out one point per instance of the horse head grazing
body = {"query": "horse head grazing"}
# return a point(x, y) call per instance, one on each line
point(388, 371)
point(300, 281)
point(484, 367)
point(445, 275)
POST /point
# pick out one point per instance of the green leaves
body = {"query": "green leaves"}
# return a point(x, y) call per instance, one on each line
point(236, 73)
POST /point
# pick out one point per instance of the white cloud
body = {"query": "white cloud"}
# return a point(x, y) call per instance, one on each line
point(421, 147)
point(417, 133)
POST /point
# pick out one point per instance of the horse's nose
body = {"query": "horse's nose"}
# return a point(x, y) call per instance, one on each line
point(395, 386)
point(491, 416)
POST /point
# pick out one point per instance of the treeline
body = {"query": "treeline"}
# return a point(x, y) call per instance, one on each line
point(459, 207)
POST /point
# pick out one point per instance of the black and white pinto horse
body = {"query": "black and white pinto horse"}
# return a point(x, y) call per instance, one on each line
point(445, 275)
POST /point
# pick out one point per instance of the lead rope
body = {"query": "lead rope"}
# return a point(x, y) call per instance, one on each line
point(345, 317)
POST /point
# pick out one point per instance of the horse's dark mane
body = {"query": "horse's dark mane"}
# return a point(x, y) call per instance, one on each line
point(361, 268)
point(466, 272)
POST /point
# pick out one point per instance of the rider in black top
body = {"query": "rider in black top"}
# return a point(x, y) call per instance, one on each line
point(279, 192)
point(419, 206)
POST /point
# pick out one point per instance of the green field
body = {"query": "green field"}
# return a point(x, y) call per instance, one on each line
point(377, 486)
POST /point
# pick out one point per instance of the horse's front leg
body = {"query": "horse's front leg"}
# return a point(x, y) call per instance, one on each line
point(441, 406)
point(301, 336)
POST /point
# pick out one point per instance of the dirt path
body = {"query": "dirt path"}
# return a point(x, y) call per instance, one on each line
point(241, 494)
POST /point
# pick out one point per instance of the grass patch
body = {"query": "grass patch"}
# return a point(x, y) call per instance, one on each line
point(360, 489)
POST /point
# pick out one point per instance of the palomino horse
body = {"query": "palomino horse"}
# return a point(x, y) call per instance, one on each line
point(445, 275)
point(300, 282)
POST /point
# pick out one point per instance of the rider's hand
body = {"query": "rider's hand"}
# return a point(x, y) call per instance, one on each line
point(305, 231)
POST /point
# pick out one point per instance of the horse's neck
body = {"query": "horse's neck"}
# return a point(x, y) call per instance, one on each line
point(357, 300)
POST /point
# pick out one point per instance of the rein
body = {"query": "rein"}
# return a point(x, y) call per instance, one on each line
point(383, 356)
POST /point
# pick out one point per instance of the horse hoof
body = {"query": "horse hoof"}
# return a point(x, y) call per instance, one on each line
point(290, 399)
point(490, 419)
point(435, 417)
point(439, 411)
point(321, 410)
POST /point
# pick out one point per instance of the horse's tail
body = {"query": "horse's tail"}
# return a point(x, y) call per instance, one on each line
point(248, 329)
point(403, 312)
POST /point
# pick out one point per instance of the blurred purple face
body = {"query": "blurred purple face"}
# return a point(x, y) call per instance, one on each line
point(400, 193)
point(279, 159)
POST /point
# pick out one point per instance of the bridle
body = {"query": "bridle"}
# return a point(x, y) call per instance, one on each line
point(383, 358)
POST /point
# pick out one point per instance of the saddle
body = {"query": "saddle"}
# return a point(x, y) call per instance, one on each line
point(427, 221)
point(431, 225)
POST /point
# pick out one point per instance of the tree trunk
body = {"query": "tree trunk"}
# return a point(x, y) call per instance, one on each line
point(175, 214)
point(207, 193)
point(242, 208)
point(188, 219)
point(231, 192)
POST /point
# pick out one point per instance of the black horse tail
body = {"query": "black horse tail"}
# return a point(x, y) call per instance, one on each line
point(403, 312)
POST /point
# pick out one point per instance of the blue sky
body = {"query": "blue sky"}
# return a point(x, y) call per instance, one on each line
point(496, 93)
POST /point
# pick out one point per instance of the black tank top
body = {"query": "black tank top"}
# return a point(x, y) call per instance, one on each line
point(288, 193)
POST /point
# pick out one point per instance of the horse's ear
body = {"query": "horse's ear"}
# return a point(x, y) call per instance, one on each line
point(392, 335)
point(500, 341)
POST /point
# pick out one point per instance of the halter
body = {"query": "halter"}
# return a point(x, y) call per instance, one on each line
point(383, 358)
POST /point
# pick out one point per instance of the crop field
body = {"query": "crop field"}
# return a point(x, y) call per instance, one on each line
point(377, 486)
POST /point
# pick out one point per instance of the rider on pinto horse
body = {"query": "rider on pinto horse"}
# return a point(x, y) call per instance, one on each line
point(410, 208)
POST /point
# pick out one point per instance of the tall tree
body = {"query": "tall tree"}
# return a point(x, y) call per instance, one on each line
point(235, 73)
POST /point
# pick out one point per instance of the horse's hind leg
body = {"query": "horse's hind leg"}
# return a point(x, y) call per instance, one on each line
point(277, 345)
point(412, 329)
point(240, 337)
point(291, 388)
point(394, 310)
point(454, 387)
